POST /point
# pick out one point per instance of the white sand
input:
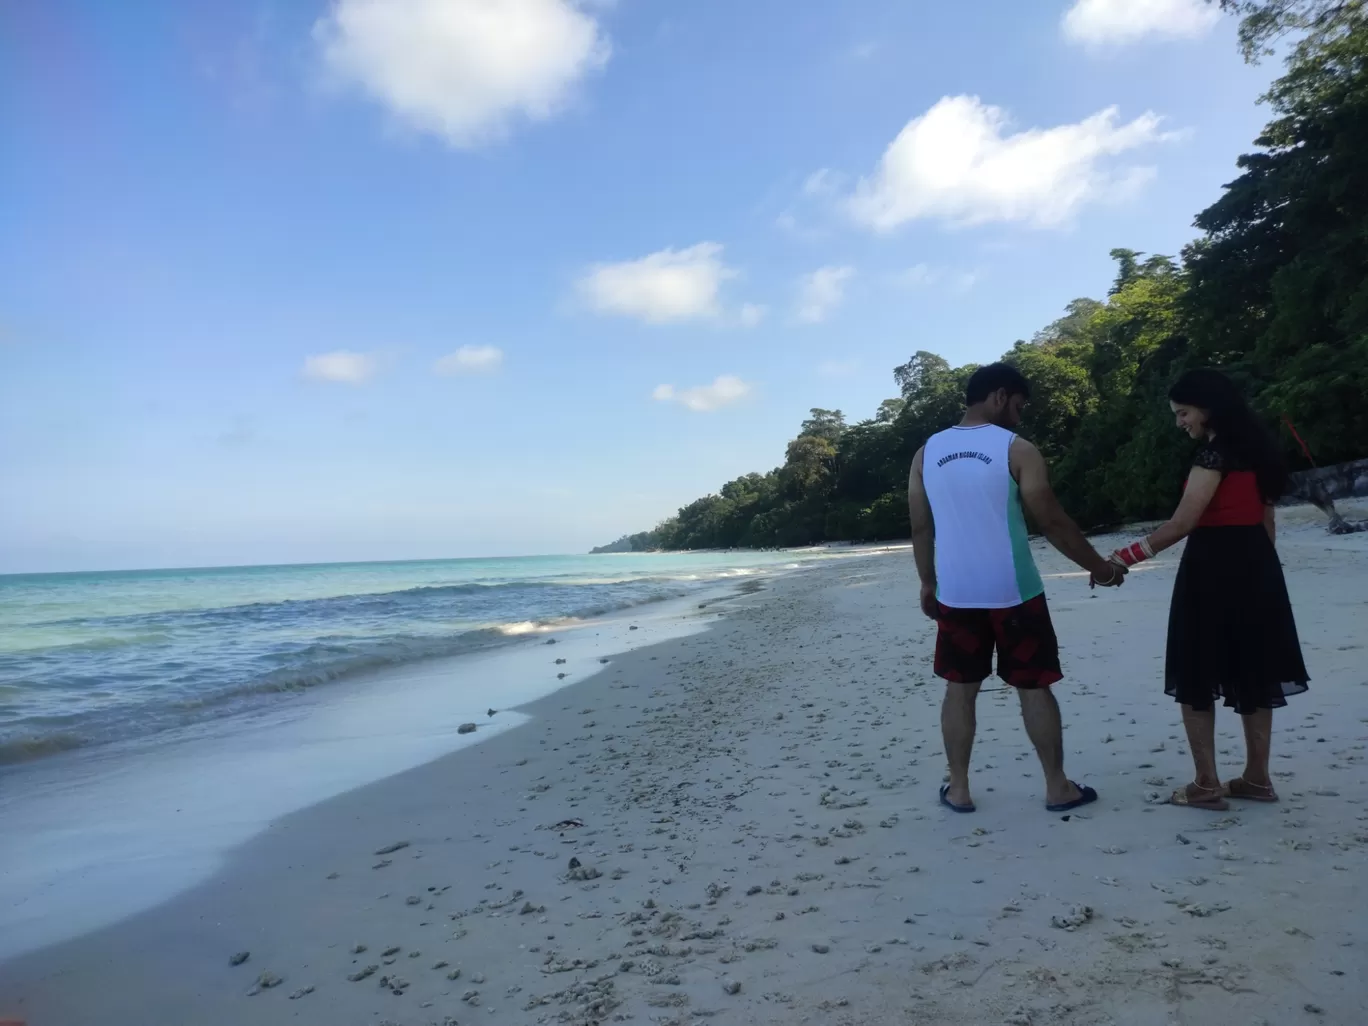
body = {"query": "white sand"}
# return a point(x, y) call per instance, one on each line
point(760, 801)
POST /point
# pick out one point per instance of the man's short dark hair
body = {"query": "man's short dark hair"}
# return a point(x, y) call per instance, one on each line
point(987, 380)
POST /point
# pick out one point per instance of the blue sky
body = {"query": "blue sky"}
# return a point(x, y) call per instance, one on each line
point(377, 279)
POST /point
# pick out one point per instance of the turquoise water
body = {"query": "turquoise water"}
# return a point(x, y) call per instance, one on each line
point(89, 658)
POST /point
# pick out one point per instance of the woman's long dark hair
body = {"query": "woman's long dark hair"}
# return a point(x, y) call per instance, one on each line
point(1238, 432)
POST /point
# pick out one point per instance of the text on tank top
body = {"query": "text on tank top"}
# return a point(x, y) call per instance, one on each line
point(983, 556)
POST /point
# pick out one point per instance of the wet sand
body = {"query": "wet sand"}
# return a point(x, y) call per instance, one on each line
point(740, 826)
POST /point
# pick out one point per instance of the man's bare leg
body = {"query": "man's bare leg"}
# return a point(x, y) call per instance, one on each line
point(1040, 713)
point(1201, 734)
point(959, 720)
point(1258, 730)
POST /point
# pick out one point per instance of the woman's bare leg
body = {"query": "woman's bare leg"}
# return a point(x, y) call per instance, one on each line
point(1258, 729)
point(1201, 734)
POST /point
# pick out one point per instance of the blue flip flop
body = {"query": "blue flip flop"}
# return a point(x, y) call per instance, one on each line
point(957, 808)
point(1086, 796)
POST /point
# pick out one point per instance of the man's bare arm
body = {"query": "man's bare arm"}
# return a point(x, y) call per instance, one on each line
point(1033, 480)
point(923, 535)
point(923, 527)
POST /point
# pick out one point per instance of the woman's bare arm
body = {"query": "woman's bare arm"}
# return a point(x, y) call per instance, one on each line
point(1201, 489)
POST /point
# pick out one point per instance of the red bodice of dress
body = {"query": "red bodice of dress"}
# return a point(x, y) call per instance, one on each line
point(1237, 502)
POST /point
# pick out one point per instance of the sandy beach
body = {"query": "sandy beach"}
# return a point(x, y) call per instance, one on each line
point(740, 826)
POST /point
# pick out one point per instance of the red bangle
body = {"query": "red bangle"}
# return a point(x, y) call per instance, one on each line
point(1136, 552)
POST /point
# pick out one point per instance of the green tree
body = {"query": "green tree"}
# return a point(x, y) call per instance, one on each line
point(828, 424)
point(933, 397)
point(1118, 461)
point(1279, 283)
point(1057, 363)
point(869, 461)
point(1319, 22)
point(888, 410)
point(920, 373)
point(809, 467)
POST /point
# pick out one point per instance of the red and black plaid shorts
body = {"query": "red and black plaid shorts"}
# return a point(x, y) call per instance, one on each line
point(1024, 636)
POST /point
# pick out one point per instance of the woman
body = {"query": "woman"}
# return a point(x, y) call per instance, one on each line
point(1231, 634)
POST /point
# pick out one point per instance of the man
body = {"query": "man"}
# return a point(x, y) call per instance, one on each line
point(980, 583)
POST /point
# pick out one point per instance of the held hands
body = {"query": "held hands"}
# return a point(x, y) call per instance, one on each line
point(1120, 563)
point(1114, 578)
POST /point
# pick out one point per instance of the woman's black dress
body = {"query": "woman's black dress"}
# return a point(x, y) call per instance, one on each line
point(1231, 634)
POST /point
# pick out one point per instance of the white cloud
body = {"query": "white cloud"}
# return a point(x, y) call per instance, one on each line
point(671, 285)
point(469, 360)
point(822, 182)
point(752, 314)
point(724, 391)
point(342, 366)
point(957, 163)
point(462, 69)
point(822, 291)
point(1118, 22)
point(789, 223)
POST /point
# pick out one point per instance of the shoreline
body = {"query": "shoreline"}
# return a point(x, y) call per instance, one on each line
point(326, 743)
point(161, 693)
point(759, 803)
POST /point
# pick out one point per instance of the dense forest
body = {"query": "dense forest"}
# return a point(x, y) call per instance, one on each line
point(1274, 290)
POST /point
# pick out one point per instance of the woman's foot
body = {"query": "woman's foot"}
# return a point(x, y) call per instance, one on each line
point(1196, 796)
point(1239, 787)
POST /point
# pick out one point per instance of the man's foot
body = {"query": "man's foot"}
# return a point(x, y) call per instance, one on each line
point(1080, 796)
point(955, 806)
point(1241, 788)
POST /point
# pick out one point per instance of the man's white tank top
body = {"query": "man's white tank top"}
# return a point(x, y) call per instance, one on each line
point(983, 558)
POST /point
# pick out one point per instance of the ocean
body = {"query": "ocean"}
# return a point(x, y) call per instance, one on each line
point(92, 658)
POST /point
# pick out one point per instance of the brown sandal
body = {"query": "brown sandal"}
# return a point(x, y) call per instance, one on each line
point(1239, 787)
point(1192, 796)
